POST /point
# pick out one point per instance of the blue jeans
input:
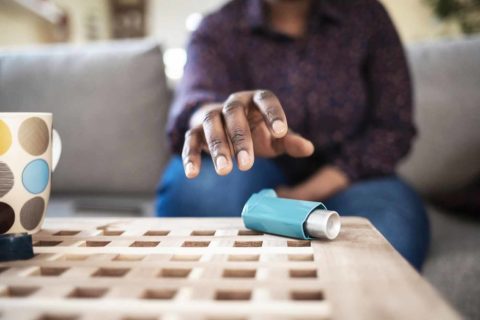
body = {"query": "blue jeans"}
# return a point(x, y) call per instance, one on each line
point(389, 203)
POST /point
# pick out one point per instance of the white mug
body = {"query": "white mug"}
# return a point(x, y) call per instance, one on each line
point(29, 152)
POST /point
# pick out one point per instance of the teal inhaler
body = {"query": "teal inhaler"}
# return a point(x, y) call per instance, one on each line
point(266, 212)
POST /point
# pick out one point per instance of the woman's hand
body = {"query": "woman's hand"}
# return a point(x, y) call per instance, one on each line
point(248, 124)
point(322, 185)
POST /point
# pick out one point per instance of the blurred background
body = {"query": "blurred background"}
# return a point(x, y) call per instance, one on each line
point(29, 22)
point(107, 69)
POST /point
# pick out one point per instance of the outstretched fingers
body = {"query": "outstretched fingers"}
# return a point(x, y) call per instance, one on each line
point(217, 142)
point(191, 153)
point(225, 131)
point(238, 130)
point(297, 146)
point(272, 111)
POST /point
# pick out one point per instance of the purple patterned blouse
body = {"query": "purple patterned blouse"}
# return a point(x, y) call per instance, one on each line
point(345, 85)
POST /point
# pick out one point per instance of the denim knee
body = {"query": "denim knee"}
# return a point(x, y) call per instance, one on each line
point(210, 194)
point(394, 208)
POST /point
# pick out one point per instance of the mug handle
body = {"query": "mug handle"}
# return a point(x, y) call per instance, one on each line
point(56, 148)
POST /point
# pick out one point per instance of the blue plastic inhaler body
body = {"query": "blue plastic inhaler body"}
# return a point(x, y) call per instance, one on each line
point(267, 213)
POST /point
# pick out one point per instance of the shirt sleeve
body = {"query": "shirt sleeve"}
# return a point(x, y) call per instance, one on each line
point(387, 136)
point(206, 79)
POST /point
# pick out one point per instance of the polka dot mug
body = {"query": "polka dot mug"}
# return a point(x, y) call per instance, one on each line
point(29, 152)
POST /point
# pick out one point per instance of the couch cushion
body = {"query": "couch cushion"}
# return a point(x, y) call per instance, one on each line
point(109, 102)
point(446, 78)
point(453, 262)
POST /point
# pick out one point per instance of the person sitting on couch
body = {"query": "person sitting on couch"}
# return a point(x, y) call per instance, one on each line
point(310, 97)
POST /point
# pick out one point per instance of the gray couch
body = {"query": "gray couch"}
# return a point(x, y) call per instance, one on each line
point(446, 156)
point(110, 103)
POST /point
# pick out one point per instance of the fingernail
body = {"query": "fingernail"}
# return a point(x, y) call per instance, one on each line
point(190, 169)
point(279, 127)
point(243, 159)
point(221, 163)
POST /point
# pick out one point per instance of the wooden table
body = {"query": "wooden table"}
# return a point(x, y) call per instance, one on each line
point(148, 268)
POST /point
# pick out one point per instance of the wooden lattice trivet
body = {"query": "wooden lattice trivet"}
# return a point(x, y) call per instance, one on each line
point(210, 269)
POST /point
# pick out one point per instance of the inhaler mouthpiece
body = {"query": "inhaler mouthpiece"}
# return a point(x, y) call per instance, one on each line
point(323, 224)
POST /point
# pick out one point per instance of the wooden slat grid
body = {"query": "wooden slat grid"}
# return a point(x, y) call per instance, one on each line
point(210, 269)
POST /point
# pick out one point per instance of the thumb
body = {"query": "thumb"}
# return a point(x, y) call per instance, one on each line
point(297, 146)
